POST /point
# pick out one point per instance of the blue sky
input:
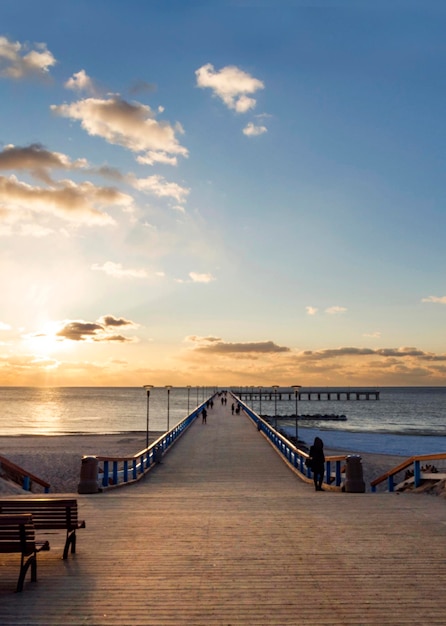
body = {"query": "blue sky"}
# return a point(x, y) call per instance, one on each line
point(222, 193)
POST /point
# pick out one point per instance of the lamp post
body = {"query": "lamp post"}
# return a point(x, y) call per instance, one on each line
point(275, 387)
point(197, 394)
point(188, 398)
point(260, 401)
point(296, 397)
point(147, 388)
point(168, 387)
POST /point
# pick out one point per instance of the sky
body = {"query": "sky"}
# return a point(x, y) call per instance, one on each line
point(222, 193)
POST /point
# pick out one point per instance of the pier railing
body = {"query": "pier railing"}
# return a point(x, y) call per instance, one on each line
point(334, 465)
point(417, 474)
point(21, 477)
point(116, 471)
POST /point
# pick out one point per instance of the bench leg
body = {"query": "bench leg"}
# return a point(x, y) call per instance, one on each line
point(24, 566)
point(71, 541)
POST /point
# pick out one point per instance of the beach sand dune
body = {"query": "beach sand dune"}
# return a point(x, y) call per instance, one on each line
point(57, 460)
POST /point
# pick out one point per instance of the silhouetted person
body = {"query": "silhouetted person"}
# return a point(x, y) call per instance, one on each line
point(317, 462)
point(204, 415)
point(233, 408)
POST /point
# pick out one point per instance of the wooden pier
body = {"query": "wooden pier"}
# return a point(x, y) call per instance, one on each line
point(224, 533)
point(307, 394)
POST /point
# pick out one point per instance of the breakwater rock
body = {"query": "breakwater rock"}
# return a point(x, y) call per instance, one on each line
point(315, 416)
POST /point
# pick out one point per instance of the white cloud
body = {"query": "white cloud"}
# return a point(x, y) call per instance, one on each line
point(17, 63)
point(335, 310)
point(80, 81)
point(231, 84)
point(151, 157)
point(35, 159)
point(161, 188)
point(436, 299)
point(130, 125)
point(4, 326)
point(76, 203)
point(116, 270)
point(311, 310)
point(251, 130)
point(201, 278)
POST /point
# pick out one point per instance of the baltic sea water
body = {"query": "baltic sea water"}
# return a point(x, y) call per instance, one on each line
point(405, 420)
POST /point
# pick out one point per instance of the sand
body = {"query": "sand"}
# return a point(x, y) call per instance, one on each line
point(57, 460)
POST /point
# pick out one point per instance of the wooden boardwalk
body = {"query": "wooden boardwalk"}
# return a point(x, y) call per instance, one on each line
point(223, 533)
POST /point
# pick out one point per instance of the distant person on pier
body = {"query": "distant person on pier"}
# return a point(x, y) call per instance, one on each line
point(317, 457)
point(204, 415)
point(233, 408)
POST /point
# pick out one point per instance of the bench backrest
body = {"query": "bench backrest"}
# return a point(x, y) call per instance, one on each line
point(47, 513)
point(17, 534)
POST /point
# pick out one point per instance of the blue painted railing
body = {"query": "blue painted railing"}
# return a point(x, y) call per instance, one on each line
point(294, 456)
point(118, 471)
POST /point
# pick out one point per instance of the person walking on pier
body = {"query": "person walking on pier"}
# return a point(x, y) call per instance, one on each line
point(317, 457)
point(204, 415)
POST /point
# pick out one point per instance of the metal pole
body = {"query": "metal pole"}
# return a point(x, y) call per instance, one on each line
point(275, 406)
point(275, 409)
point(148, 388)
point(260, 401)
point(168, 387)
point(296, 396)
point(188, 398)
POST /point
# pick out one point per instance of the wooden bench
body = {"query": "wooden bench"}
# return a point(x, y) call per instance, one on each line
point(17, 536)
point(48, 514)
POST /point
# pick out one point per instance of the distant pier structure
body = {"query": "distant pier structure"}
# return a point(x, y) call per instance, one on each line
point(250, 393)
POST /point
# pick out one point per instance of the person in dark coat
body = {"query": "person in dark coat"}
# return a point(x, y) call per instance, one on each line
point(317, 457)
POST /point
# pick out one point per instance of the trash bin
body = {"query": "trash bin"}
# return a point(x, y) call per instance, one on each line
point(89, 475)
point(259, 425)
point(354, 482)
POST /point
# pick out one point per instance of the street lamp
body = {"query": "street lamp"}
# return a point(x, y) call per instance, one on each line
point(275, 387)
point(296, 396)
point(197, 394)
point(260, 401)
point(148, 388)
point(188, 398)
point(168, 387)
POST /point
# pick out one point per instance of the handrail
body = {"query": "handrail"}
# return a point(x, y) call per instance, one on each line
point(116, 471)
point(20, 476)
point(296, 457)
point(418, 474)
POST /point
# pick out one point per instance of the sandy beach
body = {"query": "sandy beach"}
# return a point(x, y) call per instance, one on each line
point(58, 459)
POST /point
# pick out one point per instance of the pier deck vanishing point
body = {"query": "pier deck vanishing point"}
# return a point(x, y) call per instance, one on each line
point(224, 533)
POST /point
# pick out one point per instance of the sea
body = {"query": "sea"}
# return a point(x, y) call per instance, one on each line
point(404, 421)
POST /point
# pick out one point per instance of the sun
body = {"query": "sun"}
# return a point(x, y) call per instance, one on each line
point(46, 342)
